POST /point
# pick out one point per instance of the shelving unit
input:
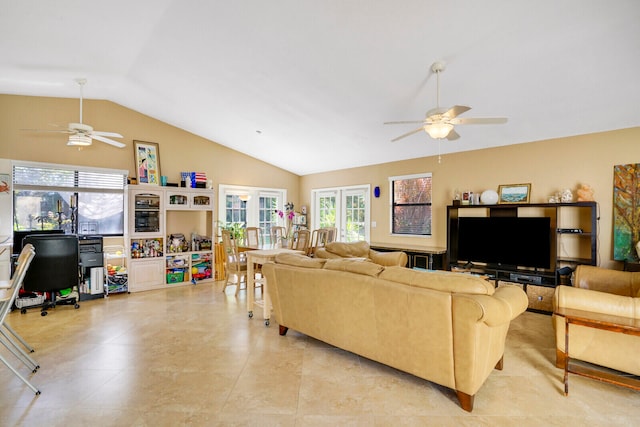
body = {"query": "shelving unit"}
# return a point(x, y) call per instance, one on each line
point(116, 276)
point(183, 213)
point(574, 240)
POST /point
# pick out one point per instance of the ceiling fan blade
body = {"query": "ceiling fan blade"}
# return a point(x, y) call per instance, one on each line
point(404, 122)
point(456, 110)
point(108, 141)
point(453, 135)
point(110, 134)
point(408, 134)
point(479, 121)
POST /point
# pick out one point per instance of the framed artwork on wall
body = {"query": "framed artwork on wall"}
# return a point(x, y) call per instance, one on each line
point(147, 158)
point(626, 216)
point(514, 193)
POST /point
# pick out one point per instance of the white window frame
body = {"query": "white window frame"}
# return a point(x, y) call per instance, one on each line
point(339, 193)
point(253, 206)
point(91, 183)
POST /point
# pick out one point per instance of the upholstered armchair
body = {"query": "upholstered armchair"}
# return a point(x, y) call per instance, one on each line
point(602, 291)
point(361, 250)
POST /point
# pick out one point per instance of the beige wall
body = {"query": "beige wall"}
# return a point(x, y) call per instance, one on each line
point(548, 165)
point(179, 150)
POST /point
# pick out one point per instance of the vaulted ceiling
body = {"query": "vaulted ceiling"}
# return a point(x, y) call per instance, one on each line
point(306, 85)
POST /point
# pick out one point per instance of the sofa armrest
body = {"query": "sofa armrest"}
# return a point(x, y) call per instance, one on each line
point(595, 301)
point(507, 303)
point(388, 258)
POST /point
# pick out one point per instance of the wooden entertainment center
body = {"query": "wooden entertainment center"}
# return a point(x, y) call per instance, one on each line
point(573, 241)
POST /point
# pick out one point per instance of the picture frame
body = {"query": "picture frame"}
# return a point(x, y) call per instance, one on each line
point(514, 193)
point(147, 162)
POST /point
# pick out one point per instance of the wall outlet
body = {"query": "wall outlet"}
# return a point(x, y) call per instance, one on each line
point(373, 224)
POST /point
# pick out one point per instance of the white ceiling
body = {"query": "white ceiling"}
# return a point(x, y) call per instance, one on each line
point(318, 78)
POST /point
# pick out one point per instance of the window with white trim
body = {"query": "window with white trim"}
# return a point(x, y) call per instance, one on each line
point(411, 204)
point(242, 207)
point(76, 199)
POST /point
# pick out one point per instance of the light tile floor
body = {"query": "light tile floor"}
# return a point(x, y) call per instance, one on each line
point(189, 356)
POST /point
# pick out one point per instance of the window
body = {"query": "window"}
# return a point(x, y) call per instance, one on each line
point(345, 208)
point(250, 207)
point(75, 199)
point(411, 204)
point(267, 216)
point(236, 210)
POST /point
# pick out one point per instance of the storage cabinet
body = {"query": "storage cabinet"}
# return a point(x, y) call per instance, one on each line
point(573, 241)
point(146, 274)
point(116, 274)
point(181, 252)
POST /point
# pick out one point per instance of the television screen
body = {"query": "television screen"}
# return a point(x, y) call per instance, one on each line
point(505, 241)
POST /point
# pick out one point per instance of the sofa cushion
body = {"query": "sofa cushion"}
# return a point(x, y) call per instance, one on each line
point(358, 266)
point(299, 260)
point(349, 250)
point(439, 280)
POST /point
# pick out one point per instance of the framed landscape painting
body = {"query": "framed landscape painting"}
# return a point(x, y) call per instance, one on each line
point(147, 158)
point(514, 193)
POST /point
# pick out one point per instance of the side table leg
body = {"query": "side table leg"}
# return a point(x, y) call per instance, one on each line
point(566, 356)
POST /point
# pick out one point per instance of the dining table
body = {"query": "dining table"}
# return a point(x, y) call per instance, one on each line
point(258, 255)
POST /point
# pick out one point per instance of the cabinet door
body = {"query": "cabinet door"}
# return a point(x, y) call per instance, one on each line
point(177, 200)
point(202, 201)
point(145, 275)
point(146, 212)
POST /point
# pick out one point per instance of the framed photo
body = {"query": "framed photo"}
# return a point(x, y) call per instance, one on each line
point(147, 158)
point(514, 193)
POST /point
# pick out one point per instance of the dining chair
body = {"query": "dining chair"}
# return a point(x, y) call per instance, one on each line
point(22, 263)
point(252, 237)
point(332, 234)
point(276, 234)
point(318, 240)
point(11, 290)
point(235, 264)
point(301, 240)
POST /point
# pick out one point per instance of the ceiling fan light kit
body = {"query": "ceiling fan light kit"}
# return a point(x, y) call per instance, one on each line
point(438, 130)
point(79, 140)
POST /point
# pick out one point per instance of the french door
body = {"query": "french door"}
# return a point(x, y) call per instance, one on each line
point(346, 208)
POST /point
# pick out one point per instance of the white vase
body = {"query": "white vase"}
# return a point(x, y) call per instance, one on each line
point(489, 197)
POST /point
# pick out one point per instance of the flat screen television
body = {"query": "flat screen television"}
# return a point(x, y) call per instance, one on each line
point(507, 242)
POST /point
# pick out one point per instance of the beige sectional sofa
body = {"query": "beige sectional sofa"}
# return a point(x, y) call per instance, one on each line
point(447, 328)
point(604, 291)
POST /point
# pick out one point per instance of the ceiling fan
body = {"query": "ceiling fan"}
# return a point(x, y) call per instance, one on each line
point(439, 122)
point(81, 134)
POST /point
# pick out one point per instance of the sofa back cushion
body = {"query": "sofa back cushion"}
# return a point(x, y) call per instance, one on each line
point(349, 250)
point(439, 280)
point(606, 280)
point(357, 266)
point(299, 260)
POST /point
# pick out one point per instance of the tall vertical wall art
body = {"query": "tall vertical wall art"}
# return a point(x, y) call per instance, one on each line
point(626, 211)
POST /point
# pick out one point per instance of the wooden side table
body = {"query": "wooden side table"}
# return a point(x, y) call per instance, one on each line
point(623, 325)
